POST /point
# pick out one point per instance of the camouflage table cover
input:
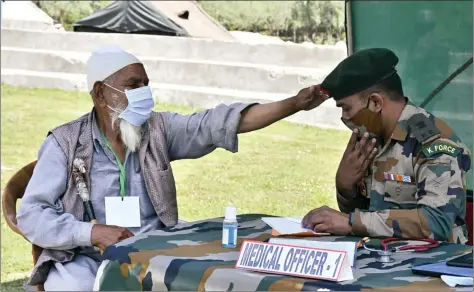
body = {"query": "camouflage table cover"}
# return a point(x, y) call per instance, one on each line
point(190, 257)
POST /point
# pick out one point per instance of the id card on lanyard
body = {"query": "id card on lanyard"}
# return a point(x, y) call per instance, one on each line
point(123, 211)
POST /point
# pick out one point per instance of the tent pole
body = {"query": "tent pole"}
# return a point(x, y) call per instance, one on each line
point(348, 25)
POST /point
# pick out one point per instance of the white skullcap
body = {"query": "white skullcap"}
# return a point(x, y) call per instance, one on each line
point(105, 61)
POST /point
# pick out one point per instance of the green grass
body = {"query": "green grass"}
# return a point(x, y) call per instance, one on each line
point(285, 169)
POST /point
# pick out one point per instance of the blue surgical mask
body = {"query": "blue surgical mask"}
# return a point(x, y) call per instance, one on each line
point(140, 105)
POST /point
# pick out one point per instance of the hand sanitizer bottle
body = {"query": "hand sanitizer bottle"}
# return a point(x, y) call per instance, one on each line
point(229, 228)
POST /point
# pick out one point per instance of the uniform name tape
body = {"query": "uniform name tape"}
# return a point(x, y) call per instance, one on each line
point(441, 148)
point(296, 261)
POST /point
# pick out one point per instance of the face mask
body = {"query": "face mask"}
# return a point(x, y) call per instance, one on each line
point(140, 105)
point(366, 120)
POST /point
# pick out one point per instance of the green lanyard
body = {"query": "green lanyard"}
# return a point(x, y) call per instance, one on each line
point(122, 168)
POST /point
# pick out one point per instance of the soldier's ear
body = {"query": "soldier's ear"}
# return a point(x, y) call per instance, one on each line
point(376, 102)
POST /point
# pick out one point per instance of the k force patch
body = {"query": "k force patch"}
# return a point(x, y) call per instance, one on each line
point(441, 148)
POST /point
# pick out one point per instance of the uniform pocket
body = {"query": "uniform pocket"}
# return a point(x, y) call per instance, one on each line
point(400, 192)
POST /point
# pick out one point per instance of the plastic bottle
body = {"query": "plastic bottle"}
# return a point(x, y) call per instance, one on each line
point(229, 228)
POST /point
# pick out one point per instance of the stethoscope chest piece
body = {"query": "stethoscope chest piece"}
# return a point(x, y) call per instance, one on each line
point(385, 256)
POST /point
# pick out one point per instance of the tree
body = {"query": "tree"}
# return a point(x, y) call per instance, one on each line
point(302, 20)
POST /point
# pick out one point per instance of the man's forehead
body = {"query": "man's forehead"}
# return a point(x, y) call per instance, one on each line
point(347, 100)
point(133, 69)
point(132, 72)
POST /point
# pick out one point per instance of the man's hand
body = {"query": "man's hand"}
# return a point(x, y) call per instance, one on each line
point(309, 98)
point(355, 161)
point(104, 235)
point(327, 220)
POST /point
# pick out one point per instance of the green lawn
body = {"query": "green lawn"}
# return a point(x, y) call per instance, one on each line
point(285, 169)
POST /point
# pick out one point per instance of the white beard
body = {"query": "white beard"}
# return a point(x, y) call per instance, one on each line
point(131, 135)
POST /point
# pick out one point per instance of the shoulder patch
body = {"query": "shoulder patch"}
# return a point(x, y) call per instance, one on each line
point(445, 148)
point(423, 128)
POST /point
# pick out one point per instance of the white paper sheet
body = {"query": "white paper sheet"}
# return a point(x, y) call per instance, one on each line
point(287, 225)
point(453, 281)
point(295, 219)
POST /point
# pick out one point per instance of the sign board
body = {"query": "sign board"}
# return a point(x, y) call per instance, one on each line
point(298, 261)
point(349, 247)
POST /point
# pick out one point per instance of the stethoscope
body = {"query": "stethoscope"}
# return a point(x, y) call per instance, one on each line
point(385, 254)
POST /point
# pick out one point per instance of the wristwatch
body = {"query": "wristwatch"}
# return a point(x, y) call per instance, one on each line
point(351, 218)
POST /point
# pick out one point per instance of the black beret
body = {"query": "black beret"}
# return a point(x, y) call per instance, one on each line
point(360, 71)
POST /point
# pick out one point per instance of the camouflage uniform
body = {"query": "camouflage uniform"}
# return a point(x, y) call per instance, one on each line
point(416, 186)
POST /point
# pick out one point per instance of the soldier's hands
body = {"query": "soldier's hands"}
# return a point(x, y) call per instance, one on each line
point(327, 220)
point(104, 235)
point(355, 161)
point(309, 98)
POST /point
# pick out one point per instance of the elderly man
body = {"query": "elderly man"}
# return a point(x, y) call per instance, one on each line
point(127, 149)
point(403, 171)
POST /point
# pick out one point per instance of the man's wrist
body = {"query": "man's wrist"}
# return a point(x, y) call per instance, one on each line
point(294, 104)
point(360, 222)
point(345, 188)
point(347, 193)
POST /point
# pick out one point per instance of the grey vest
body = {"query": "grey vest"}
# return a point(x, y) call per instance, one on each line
point(75, 139)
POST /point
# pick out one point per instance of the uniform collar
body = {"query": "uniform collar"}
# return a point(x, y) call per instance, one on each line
point(401, 128)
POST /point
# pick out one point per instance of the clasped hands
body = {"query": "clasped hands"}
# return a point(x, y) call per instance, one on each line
point(355, 161)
